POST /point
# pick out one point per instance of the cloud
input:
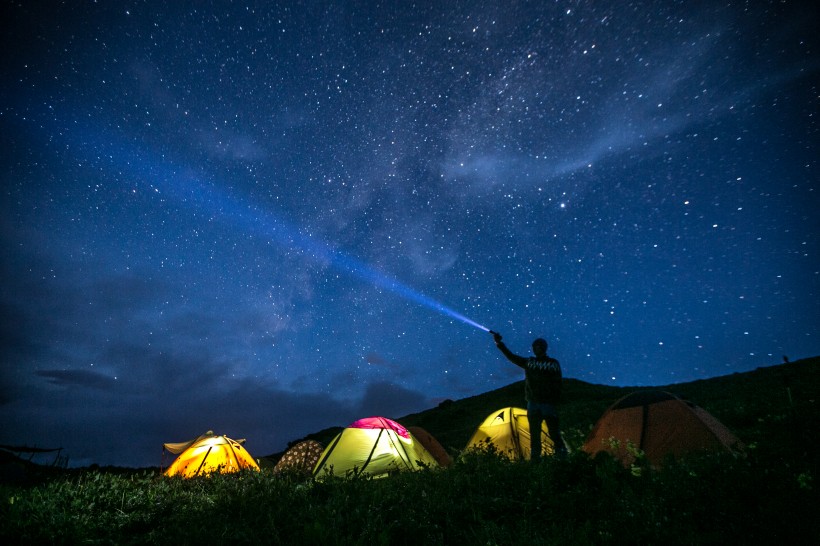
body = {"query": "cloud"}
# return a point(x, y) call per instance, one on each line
point(629, 111)
point(239, 147)
point(110, 428)
point(375, 359)
point(428, 253)
point(81, 378)
point(387, 399)
point(127, 427)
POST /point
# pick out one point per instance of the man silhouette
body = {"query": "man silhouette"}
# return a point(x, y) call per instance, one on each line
point(542, 390)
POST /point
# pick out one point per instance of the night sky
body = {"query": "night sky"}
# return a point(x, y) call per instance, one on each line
point(268, 218)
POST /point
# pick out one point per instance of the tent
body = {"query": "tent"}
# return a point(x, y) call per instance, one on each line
point(209, 453)
point(300, 458)
point(431, 445)
point(375, 446)
point(660, 425)
point(508, 431)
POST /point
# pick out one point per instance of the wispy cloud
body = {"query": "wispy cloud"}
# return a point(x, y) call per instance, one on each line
point(80, 378)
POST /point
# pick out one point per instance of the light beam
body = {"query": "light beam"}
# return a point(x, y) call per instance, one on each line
point(181, 184)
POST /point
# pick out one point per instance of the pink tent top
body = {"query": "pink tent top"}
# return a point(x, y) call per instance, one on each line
point(381, 422)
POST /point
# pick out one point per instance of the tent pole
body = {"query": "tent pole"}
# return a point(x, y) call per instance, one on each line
point(235, 458)
point(205, 458)
point(376, 443)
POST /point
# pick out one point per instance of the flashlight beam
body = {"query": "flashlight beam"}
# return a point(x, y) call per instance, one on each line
point(167, 179)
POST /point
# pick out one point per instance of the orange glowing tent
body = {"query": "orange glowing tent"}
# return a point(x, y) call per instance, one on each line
point(209, 453)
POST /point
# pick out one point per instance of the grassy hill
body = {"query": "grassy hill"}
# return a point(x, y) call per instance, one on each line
point(770, 403)
point(769, 496)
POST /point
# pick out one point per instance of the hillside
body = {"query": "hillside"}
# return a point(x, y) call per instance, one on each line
point(769, 496)
point(775, 403)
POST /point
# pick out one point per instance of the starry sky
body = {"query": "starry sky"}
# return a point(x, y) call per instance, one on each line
point(268, 218)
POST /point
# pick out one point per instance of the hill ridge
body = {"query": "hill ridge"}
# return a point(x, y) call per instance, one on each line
point(778, 390)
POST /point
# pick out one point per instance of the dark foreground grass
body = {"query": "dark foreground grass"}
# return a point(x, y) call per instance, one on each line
point(769, 497)
point(483, 499)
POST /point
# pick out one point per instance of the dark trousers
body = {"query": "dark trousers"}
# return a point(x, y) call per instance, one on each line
point(536, 414)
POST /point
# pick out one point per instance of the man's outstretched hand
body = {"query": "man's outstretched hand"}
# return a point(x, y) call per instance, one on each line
point(496, 336)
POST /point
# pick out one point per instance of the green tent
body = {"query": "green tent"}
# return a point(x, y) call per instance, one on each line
point(373, 446)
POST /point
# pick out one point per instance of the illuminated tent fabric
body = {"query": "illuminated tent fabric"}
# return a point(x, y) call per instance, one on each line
point(660, 425)
point(300, 458)
point(209, 453)
point(508, 431)
point(431, 445)
point(374, 446)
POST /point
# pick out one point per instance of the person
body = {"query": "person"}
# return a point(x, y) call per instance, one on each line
point(542, 390)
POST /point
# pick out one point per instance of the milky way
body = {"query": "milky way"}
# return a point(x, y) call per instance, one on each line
point(267, 218)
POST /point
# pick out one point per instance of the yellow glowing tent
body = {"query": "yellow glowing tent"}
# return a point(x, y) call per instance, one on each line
point(209, 453)
point(508, 431)
point(374, 446)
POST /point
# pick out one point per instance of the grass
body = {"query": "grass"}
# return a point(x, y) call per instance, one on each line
point(769, 496)
point(483, 499)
